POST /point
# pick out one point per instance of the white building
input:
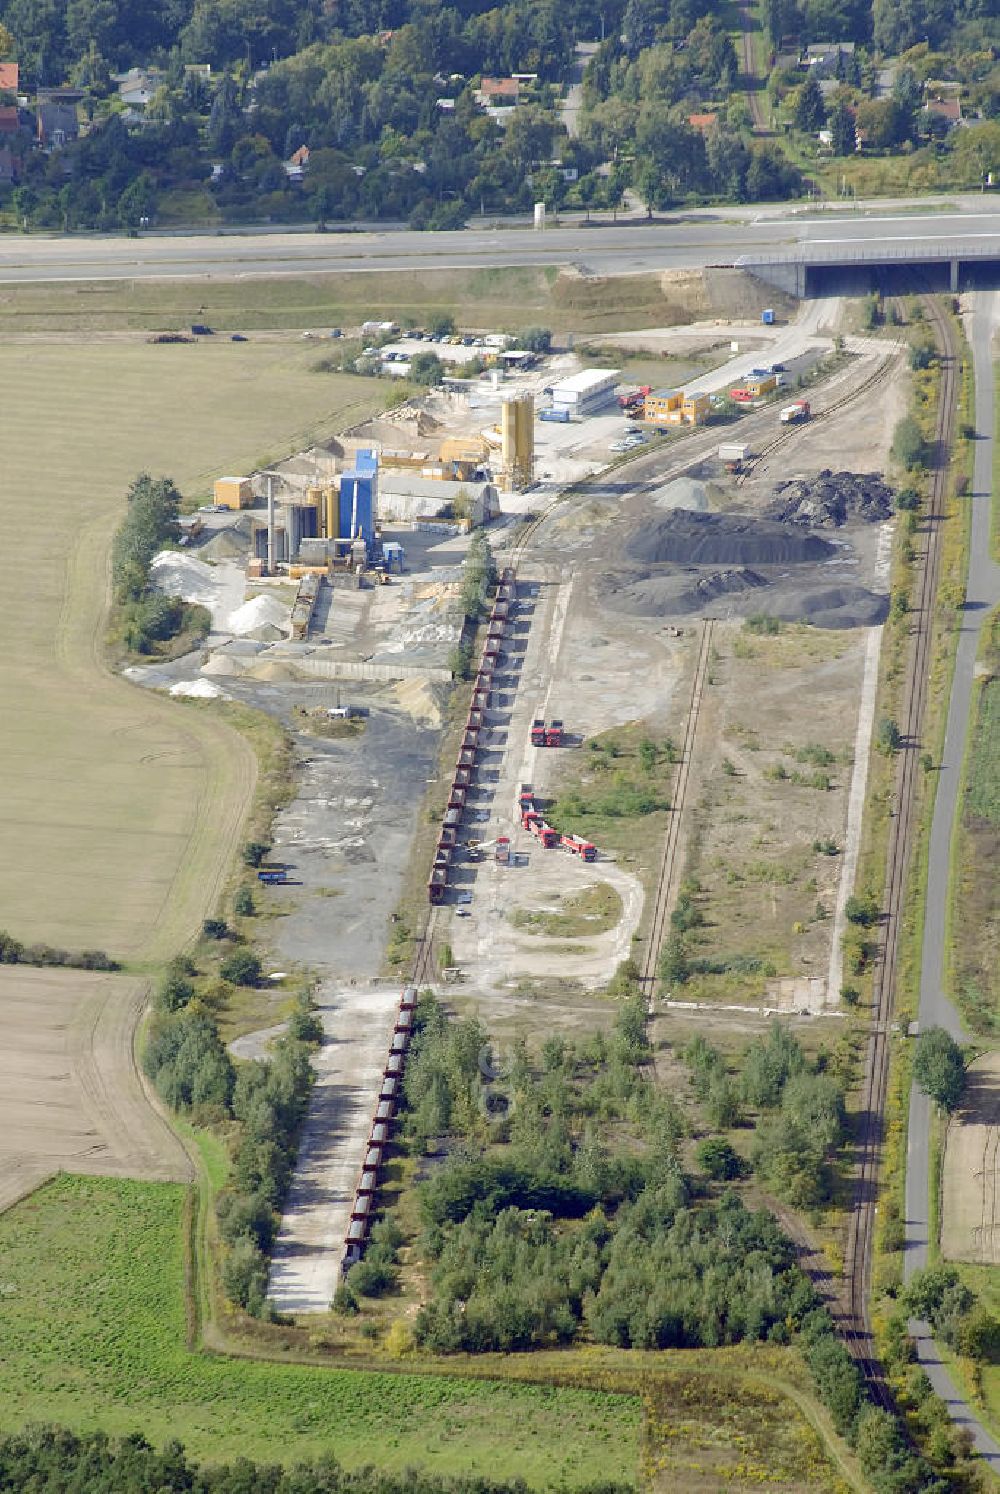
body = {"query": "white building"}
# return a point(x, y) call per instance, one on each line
point(585, 392)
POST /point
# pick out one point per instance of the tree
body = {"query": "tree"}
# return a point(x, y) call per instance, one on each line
point(717, 1159)
point(888, 737)
point(908, 444)
point(426, 368)
point(536, 339)
point(844, 141)
point(242, 968)
point(810, 111)
point(939, 1067)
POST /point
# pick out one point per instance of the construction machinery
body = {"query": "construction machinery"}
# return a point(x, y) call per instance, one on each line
point(635, 399)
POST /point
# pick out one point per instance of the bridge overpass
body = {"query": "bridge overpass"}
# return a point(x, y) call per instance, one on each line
point(945, 263)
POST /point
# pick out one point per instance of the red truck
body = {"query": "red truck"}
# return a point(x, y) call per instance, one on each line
point(502, 852)
point(538, 732)
point(636, 399)
point(554, 736)
point(577, 846)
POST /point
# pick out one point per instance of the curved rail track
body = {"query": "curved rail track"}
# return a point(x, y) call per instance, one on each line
point(855, 1316)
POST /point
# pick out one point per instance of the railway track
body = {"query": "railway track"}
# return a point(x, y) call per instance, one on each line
point(855, 1319)
point(665, 878)
point(877, 377)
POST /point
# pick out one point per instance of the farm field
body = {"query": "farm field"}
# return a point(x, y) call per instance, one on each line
point(70, 1094)
point(121, 810)
point(112, 1353)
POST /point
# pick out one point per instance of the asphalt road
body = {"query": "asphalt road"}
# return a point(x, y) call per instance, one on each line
point(687, 242)
point(935, 1010)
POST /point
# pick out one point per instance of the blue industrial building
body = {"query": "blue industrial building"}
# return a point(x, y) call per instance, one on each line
point(359, 499)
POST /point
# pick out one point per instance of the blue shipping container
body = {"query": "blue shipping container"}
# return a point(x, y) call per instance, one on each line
point(767, 317)
point(560, 416)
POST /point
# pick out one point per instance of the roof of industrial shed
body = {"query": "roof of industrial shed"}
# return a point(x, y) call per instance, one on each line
point(411, 485)
point(584, 382)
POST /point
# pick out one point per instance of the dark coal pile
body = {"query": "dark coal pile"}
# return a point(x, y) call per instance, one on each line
point(686, 537)
point(831, 498)
point(827, 606)
point(680, 593)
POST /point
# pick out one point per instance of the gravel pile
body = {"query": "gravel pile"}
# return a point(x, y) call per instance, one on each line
point(828, 500)
point(685, 537)
point(680, 593)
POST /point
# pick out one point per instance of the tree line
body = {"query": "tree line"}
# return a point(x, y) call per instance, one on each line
point(258, 1105)
point(51, 1460)
point(145, 618)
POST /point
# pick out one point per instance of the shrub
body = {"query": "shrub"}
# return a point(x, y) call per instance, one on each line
point(254, 852)
point(216, 928)
point(369, 1279)
point(244, 1276)
point(241, 968)
point(908, 444)
point(718, 1160)
point(243, 903)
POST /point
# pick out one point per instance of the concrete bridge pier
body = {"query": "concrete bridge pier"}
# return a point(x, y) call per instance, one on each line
point(953, 276)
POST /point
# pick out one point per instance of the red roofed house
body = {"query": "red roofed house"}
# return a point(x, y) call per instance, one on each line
point(702, 122)
point(499, 90)
point(949, 109)
point(8, 77)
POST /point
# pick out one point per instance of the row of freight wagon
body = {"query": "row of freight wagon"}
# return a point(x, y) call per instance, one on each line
point(504, 606)
point(380, 1134)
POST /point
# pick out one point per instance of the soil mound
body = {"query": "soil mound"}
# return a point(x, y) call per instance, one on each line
point(684, 537)
point(831, 498)
point(682, 592)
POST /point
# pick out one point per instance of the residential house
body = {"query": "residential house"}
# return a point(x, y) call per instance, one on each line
point(824, 56)
point(8, 77)
point(944, 100)
point(137, 87)
point(703, 122)
point(56, 125)
point(498, 93)
point(295, 166)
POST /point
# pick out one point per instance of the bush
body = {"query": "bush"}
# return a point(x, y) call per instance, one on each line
point(369, 1279)
point(254, 852)
point(246, 1216)
point(216, 928)
point(863, 911)
point(888, 737)
point(244, 1276)
point(243, 903)
point(718, 1160)
point(241, 968)
point(908, 444)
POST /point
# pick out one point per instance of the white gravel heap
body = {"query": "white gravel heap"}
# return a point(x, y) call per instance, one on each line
point(198, 690)
point(259, 612)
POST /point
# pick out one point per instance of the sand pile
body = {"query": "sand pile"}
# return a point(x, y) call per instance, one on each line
point(220, 588)
point(261, 612)
point(684, 537)
point(831, 498)
point(683, 492)
point(230, 543)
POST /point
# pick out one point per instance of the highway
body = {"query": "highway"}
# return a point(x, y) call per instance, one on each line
point(982, 594)
point(690, 241)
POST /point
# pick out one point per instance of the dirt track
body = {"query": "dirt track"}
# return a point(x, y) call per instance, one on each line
point(71, 1097)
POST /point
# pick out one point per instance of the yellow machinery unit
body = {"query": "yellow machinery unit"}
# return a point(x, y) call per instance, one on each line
point(233, 492)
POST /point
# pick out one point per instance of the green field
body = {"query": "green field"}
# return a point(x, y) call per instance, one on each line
point(92, 1333)
point(121, 810)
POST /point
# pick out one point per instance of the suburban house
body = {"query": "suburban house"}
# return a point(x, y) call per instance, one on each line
point(56, 125)
point(9, 74)
point(824, 56)
point(137, 87)
point(944, 99)
point(702, 122)
point(295, 166)
point(498, 93)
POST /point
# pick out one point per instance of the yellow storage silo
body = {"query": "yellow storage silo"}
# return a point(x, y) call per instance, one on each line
point(332, 499)
point(517, 440)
